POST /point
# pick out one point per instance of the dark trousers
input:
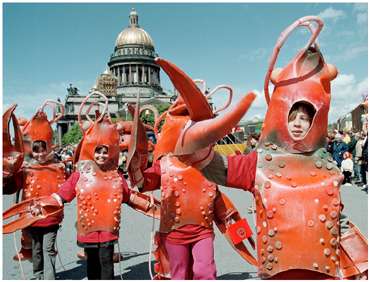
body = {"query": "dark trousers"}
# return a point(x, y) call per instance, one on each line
point(347, 177)
point(363, 172)
point(43, 240)
point(100, 262)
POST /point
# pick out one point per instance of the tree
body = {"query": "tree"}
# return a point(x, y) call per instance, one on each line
point(149, 119)
point(73, 135)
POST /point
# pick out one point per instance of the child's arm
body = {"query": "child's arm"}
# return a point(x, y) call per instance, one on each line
point(143, 203)
point(67, 191)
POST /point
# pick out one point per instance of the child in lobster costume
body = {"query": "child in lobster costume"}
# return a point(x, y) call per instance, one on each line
point(293, 179)
point(100, 191)
point(189, 202)
point(125, 129)
point(40, 175)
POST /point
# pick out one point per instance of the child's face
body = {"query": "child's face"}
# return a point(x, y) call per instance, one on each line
point(101, 155)
point(299, 124)
point(40, 155)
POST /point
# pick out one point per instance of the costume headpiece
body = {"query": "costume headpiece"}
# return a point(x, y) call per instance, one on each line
point(101, 132)
point(306, 79)
point(38, 128)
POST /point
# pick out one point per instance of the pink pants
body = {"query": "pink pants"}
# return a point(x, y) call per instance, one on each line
point(198, 255)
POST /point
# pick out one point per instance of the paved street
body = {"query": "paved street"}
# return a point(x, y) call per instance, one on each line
point(134, 241)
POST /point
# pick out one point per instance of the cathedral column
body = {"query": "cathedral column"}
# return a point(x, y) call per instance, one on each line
point(137, 74)
point(59, 128)
point(149, 76)
point(129, 75)
point(119, 70)
point(144, 74)
point(124, 80)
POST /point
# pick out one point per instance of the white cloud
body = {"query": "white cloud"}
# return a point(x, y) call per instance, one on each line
point(346, 95)
point(344, 80)
point(360, 10)
point(345, 33)
point(332, 14)
point(350, 53)
point(361, 18)
point(30, 99)
point(360, 7)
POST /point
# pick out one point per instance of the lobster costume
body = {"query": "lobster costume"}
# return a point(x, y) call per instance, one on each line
point(189, 202)
point(125, 131)
point(294, 180)
point(34, 178)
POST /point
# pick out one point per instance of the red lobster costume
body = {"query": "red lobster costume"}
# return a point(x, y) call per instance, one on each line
point(295, 184)
point(35, 179)
point(187, 197)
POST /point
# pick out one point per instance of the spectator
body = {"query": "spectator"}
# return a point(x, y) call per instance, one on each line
point(347, 168)
point(357, 154)
point(251, 143)
point(67, 157)
point(364, 163)
point(346, 137)
point(329, 142)
point(352, 143)
point(339, 147)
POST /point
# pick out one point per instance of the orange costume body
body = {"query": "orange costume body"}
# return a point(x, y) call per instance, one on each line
point(296, 183)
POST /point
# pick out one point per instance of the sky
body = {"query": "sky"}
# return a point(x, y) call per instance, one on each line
point(48, 46)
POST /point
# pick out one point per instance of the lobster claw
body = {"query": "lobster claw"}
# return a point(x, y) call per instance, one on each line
point(197, 104)
point(13, 153)
point(29, 212)
point(199, 135)
point(203, 128)
point(225, 212)
point(137, 157)
point(145, 204)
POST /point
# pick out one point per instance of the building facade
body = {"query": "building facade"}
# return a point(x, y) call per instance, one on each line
point(131, 71)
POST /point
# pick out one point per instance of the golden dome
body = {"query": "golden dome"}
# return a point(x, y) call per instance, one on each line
point(133, 34)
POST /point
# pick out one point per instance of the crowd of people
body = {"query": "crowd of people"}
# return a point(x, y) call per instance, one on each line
point(350, 151)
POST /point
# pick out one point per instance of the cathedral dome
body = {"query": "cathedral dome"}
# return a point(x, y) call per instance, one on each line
point(133, 34)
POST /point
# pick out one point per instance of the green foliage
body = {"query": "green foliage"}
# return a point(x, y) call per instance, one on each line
point(258, 127)
point(73, 135)
point(162, 107)
point(115, 119)
point(149, 119)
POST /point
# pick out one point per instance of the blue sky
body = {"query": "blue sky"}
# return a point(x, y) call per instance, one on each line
point(48, 46)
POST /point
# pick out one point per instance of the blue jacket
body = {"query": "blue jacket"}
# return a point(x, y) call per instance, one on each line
point(339, 148)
